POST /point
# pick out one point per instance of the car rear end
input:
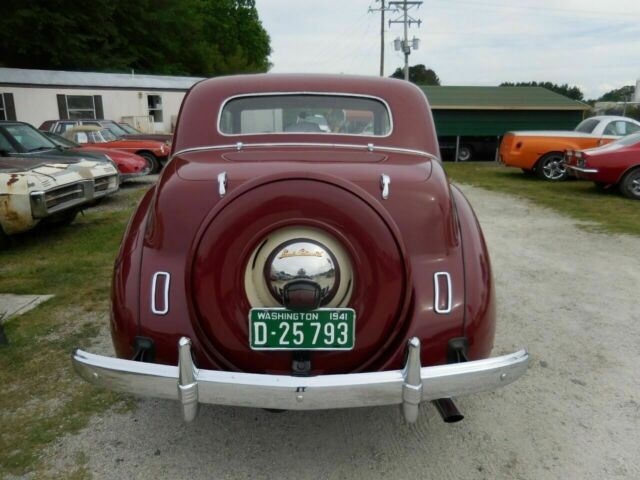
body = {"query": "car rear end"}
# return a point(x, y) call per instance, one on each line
point(276, 265)
point(512, 154)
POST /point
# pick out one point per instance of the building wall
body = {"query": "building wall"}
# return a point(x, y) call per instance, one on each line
point(34, 105)
point(498, 122)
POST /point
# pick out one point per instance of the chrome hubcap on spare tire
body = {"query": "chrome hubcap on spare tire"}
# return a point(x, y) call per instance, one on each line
point(300, 268)
point(302, 274)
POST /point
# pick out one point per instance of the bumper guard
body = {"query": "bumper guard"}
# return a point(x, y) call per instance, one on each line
point(191, 386)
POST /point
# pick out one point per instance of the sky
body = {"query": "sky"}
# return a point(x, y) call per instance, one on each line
point(593, 44)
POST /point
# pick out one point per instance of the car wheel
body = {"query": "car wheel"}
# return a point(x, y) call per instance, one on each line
point(551, 167)
point(465, 153)
point(64, 218)
point(630, 184)
point(152, 160)
point(4, 240)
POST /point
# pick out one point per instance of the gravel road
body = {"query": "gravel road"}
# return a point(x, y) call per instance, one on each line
point(570, 296)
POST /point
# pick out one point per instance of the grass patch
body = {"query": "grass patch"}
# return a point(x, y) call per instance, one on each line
point(581, 200)
point(41, 398)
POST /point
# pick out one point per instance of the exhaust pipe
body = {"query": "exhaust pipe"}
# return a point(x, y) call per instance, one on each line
point(448, 410)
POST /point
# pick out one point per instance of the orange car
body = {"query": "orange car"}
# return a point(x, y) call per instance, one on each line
point(542, 152)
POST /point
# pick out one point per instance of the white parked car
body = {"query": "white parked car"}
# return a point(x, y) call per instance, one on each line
point(33, 190)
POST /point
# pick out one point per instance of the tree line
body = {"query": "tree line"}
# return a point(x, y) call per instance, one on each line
point(176, 37)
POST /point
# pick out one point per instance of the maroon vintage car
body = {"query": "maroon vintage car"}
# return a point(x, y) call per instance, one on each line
point(614, 164)
point(285, 261)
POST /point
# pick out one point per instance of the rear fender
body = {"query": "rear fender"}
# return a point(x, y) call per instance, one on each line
point(479, 321)
point(125, 288)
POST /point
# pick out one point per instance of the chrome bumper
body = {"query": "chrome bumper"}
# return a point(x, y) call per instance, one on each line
point(408, 387)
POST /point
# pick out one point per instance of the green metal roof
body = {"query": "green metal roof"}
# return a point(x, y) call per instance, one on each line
point(498, 98)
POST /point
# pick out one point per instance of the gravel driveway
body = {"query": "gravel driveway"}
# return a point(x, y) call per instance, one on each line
point(570, 296)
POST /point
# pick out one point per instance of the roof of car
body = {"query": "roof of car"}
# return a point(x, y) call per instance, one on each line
point(612, 117)
point(409, 108)
point(86, 128)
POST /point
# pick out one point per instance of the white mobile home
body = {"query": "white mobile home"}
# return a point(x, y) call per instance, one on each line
point(147, 102)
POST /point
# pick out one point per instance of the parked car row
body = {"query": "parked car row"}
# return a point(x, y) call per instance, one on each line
point(153, 147)
point(47, 178)
point(604, 149)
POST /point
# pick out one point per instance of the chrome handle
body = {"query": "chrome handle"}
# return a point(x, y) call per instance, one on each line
point(222, 184)
point(385, 181)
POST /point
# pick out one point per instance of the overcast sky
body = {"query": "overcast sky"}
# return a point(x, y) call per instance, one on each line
point(594, 44)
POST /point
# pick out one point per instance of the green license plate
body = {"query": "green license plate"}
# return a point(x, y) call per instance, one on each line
point(282, 329)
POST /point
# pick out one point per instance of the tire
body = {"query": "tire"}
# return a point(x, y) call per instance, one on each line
point(551, 167)
point(152, 160)
point(465, 153)
point(4, 240)
point(64, 218)
point(630, 184)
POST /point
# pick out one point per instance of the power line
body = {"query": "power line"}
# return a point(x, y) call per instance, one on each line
point(536, 8)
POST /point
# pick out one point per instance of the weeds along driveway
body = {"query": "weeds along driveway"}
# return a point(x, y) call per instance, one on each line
point(568, 294)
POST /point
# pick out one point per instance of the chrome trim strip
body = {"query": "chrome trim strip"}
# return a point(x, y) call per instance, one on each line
point(373, 148)
point(407, 386)
point(582, 170)
point(436, 297)
point(154, 285)
point(222, 184)
point(319, 94)
point(385, 182)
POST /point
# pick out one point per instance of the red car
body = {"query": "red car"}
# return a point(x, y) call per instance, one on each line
point(281, 265)
point(154, 151)
point(614, 164)
point(129, 165)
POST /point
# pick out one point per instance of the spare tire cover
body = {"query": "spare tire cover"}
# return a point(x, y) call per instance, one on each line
point(220, 306)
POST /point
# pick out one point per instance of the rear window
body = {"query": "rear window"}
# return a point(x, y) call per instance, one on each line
point(587, 126)
point(305, 113)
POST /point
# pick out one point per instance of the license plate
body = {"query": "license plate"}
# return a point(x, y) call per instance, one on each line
point(321, 329)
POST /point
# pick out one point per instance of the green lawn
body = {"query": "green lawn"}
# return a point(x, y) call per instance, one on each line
point(41, 398)
point(610, 211)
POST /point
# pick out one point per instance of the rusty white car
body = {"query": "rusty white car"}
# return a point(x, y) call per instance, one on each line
point(33, 190)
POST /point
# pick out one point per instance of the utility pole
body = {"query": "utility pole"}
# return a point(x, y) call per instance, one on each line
point(407, 20)
point(383, 8)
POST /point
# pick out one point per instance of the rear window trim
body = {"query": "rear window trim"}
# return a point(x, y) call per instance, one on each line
point(291, 93)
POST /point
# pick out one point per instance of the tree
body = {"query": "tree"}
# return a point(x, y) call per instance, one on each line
point(419, 74)
point(565, 89)
point(182, 37)
point(623, 94)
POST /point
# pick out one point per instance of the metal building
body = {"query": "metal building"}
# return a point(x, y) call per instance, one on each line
point(464, 114)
